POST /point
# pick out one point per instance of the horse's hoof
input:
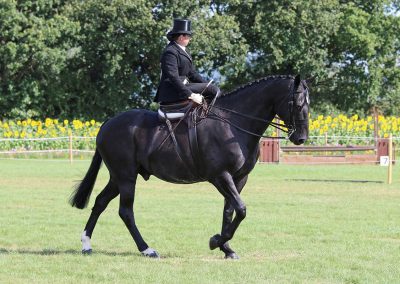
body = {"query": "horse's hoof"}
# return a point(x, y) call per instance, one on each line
point(87, 251)
point(149, 252)
point(214, 241)
point(231, 255)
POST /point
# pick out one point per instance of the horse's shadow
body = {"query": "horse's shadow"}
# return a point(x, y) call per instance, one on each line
point(46, 251)
point(49, 252)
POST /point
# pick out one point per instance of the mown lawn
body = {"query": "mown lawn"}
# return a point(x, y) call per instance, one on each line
point(305, 224)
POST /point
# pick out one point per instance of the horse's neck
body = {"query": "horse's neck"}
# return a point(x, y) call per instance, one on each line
point(259, 100)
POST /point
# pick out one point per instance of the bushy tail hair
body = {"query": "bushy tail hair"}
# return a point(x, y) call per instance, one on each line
point(81, 194)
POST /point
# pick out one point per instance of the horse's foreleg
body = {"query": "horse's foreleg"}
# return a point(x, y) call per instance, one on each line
point(127, 197)
point(102, 200)
point(226, 222)
point(228, 208)
point(227, 218)
point(233, 203)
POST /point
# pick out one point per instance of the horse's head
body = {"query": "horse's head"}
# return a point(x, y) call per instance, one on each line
point(295, 113)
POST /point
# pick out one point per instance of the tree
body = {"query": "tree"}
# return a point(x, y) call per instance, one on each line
point(93, 59)
point(350, 48)
point(34, 40)
point(120, 43)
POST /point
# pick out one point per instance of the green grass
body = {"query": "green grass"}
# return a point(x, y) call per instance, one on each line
point(305, 224)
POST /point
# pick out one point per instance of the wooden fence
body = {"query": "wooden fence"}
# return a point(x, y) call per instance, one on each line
point(272, 152)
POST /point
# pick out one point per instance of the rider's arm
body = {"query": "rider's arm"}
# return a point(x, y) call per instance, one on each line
point(194, 76)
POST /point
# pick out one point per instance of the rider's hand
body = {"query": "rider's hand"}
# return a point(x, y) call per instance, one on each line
point(197, 98)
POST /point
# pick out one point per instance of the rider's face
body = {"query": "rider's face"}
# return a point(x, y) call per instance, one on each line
point(183, 40)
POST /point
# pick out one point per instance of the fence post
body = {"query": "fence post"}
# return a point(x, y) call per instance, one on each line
point(376, 127)
point(70, 149)
point(390, 146)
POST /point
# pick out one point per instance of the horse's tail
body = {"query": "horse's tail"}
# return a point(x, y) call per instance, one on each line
point(80, 196)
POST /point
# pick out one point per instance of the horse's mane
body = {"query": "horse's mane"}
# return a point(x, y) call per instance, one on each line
point(255, 82)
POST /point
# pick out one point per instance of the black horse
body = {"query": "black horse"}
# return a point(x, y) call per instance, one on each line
point(137, 142)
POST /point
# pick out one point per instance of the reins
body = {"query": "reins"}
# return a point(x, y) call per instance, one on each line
point(274, 124)
point(291, 128)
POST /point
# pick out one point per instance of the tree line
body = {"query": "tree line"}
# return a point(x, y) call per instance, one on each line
point(95, 58)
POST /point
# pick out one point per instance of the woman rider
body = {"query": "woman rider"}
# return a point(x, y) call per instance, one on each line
point(179, 79)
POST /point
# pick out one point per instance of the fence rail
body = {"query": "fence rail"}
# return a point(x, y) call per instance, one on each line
point(326, 148)
point(271, 150)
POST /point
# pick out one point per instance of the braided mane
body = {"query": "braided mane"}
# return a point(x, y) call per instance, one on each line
point(255, 82)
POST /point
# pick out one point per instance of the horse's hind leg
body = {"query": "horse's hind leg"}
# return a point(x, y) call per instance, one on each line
point(127, 198)
point(109, 192)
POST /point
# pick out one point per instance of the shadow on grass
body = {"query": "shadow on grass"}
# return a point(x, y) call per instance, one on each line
point(47, 252)
point(334, 180)
point(60, 252)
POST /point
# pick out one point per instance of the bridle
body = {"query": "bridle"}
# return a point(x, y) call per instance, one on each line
point(291, 104)
point(290, 129)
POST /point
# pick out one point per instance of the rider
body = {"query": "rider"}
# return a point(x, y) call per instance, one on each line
point(179, 79)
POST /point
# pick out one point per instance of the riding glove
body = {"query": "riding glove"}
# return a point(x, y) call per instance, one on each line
point(197, 98)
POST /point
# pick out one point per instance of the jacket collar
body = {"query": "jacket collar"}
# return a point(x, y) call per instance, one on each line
point(181, 51)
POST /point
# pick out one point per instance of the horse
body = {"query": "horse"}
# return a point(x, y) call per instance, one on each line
point(137, 142)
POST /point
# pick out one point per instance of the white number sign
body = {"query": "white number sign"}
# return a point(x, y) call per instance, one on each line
point(384, 161)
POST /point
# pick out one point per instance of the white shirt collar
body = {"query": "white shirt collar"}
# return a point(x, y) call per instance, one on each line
point(183, 47)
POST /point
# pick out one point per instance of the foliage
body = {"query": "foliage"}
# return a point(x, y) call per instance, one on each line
point(80, 59)
point(93, 59)
point(350, 49)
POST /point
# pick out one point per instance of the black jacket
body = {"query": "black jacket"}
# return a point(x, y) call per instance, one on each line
point(176, 65)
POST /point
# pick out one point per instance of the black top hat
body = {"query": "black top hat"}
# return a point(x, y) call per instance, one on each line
point(181, 26)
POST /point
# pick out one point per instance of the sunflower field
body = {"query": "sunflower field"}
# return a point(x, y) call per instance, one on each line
point(50, 134)
point(53, 134)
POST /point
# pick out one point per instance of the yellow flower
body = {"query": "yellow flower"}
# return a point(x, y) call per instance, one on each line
point(48, 122)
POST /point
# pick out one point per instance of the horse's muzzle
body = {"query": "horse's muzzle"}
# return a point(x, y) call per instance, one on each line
point(299, 141)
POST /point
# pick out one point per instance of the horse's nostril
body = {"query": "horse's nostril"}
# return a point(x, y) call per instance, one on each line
point(301, 141)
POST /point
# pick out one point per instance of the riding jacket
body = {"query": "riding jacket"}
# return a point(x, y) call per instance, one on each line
point(177, 70)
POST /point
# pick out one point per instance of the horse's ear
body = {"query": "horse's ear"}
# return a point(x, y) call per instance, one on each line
point(297, 80)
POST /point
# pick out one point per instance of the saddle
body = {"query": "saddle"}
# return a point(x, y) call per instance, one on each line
point(176, 113)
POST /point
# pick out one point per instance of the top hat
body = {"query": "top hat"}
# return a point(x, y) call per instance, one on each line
point(181, 26)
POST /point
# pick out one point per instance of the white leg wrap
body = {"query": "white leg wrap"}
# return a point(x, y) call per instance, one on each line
point(85, 242)
point(150, 253)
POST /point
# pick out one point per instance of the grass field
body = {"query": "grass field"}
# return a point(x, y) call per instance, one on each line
point(305, 224)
